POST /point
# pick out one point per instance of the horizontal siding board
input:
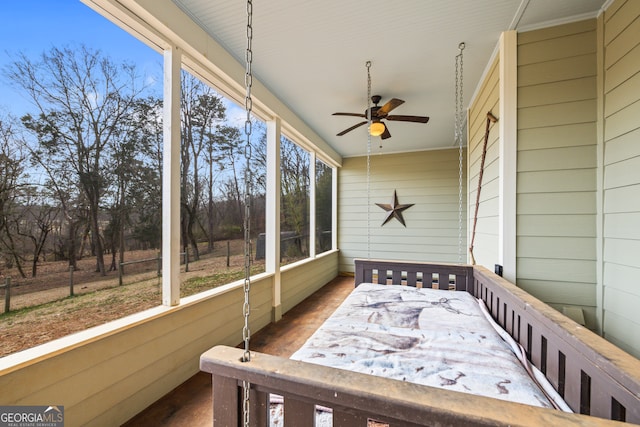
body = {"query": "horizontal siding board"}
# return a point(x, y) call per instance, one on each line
point(623, 121)
point(616, 329)
point(488, 191)
point(622, 147)
point(580, 43)
point(558, 70)
point(485, 249)
point(622, 199)
point(557, 203)
point(557, 92)
point(486, 99)
point(571, 135)
point(490, 163)
point(618, 19)
point(487, 209)
point(492, 146)
point(561, 180)
point(553, 292)
point(619, 46)
point(623, 302)
point(556, 32)
point(562, 270)
point(429, 181)
point(622, 251)
point(623, 173)
point(616, 276)
point(622, 226)
point(556, 159)
point(557, 114)
point(623, 69)
point(557, 225)
point(576, 248)
point(622, 96)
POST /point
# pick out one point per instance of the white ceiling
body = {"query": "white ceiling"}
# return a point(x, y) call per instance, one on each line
point(312, 55)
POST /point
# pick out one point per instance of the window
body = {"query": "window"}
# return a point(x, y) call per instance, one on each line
point(213, 166)
point(324, 206)
point(294, 200)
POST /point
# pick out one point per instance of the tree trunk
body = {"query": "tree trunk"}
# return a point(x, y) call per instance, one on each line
point(97, 242)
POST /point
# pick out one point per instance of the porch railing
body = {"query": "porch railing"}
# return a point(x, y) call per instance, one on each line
point(355, 398)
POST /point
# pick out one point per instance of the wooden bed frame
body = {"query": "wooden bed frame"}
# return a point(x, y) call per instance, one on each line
point(599, 381)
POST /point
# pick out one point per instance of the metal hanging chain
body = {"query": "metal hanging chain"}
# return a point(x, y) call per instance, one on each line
point(458, 138)
point(246, 308)
point(368, 65)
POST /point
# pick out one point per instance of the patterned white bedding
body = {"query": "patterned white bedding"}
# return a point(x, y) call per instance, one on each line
point(431, 337)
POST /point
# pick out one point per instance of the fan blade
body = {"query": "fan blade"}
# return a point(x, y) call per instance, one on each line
point(386, 108)
point(415, 119)
point(351, 128)
point(386, 134)
point(350, 114)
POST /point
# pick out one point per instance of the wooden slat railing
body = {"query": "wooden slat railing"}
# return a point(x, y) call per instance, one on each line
point(594, 376)
point(356, 398)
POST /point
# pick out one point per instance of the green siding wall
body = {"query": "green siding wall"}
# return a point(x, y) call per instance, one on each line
point(621, 175)
point(428, 179)
point(486, 245)
point(557, 165)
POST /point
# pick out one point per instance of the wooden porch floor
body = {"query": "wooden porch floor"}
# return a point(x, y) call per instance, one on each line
point(190, 403)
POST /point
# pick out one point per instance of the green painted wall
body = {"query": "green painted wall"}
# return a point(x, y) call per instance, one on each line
point(428, 179)
point(486, 241)
point(620, 70)
point(556, 168)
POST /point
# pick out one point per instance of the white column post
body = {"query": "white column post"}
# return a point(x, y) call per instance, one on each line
point(312, 205)
point(507, 123)
point(600, 176)
point(272, 237)
point(334, 208)
point(171, 179)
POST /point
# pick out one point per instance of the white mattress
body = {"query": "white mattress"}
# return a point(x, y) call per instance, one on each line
point(425, 336)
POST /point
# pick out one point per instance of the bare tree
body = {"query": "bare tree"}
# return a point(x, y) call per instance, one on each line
point(12, 160)
point(146, 195)
point(81, 97)
point(35, 225)
point(201, 109)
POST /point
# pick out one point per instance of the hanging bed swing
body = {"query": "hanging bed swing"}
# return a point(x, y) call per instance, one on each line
point(418, 353)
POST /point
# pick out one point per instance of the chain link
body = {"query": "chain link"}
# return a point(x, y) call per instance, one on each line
point(368, 65)
point(246, 308)
point(458, 137)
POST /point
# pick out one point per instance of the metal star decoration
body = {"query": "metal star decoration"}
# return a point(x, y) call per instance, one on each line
point(394, 210)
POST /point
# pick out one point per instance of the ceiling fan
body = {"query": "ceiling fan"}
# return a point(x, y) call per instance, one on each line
point(378, 128)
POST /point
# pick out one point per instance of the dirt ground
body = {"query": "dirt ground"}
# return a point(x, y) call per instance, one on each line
point(42, 309)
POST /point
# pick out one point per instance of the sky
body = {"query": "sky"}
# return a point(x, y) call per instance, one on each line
point(35, 26)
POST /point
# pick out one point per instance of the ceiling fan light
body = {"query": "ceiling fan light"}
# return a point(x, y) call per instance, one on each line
point(376, 128)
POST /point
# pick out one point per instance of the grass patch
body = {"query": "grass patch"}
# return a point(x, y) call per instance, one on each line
point(198, 284)
point(27, 327)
